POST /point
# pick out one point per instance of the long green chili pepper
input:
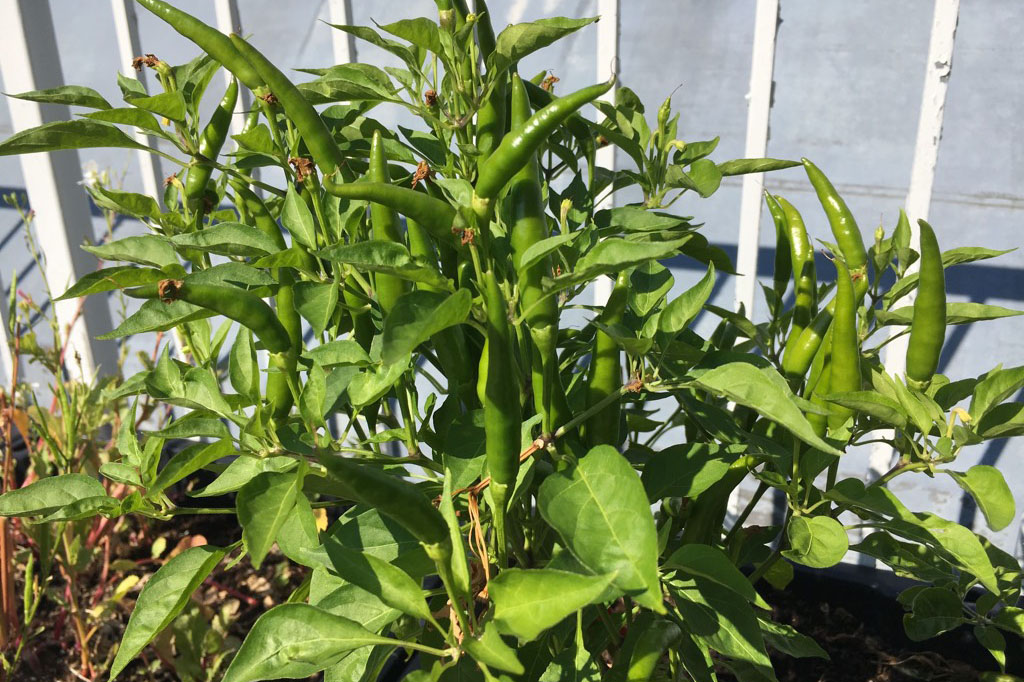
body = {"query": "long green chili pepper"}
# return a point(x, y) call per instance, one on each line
point(215, 43)
point(818, 384)
point(386, 225)
point(577, 126)
point(244, 307)
point(484, 29)
point(436, 215)
point(210, 143)
point(502, 412)
point(307, 121)
point(928, 325)
point(540, 311)
point(400, 500)
point(844, 228)
point(805, 278)
point(783, 251)
point(845, 365)
point(799, 354)
point(257, 210)
point(518, 146)
point(605, 376)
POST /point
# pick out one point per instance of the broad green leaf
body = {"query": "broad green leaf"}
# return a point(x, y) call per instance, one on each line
point(744, 166)
point(686, 469)
point(108, 279)
point(871, 403)
point(296, 641)
point(711, 563)
point(316, 303)
point(298, 534)
point(766, 392)
point(904, 558)
point(458, 561)
point(50, 494)
point(681, 311)
point(816, 541)
point(162, 598)
point(527, 602)
point(121, 473)
point(957, 312)
point(338, 352)
point(600, 510)
point(242, 470)
point(993, 640)
point(78, 134)
point(297, 219)
point(648, 285)
point(1002, 421)
point(615, 254)
point(988, 488)
point(491, 650)
point(994, 388)
point(85, 508)
point(243, 368)
point(421, 32)
point(957, 544)
point(389, 258)
point(638, 219)
point(227, 239)
point(125, 203)
point(539, 250)
point(390, 584)
point(128, 116)
point(313, 396)
point(263, 505)
point(373, 382)
point(167, 104)
point(702, 176)
point(417, 316)
point(350, 83)
point(340, 597)
point(963, 254)
point(147, 249)
point(784, 638)
point(68, 95)
point(189, 461)
point(935, 610)
point(365, 529)
point(371, 36)
point(519, 40)
point(651, 645)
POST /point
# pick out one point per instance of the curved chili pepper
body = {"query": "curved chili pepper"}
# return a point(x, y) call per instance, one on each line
point(804, 276)
point(210, 143)
point(307, 121)
point(606, 370)
point(518, 146)
point(928, 325)
point(845, 362)
point(386, 225)
point(844, 228)
point(818, 385)
point(436, 215)
point(215, 43)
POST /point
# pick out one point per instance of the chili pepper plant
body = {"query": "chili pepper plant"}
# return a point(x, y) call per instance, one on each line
point(383, 335)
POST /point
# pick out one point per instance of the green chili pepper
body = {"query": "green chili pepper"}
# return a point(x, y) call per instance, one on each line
point(577, 126)
point(502, 412)
point(844, 228)
point(212, 139)
point(804, 276)
point(314, 132)
point(436, 215)
point(244, 307)
point(400, 500)
point(928, 325)
point(818, 385)
point(606, 369)
point(258, 213)
point(215, 43)
point(800, 353)
point(783, 255)
point(845, 363)
point(386, 225)
point(519, 146)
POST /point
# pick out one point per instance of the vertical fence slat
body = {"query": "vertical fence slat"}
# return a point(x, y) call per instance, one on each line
point(922, 174)
point(229, 21)
point(7, 358)
point(766, 22)
point(126, 26)
point(343, 44)
point(28, 61)
point(607, 63)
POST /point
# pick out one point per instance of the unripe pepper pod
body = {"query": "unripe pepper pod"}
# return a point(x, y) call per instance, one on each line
point(928, 325)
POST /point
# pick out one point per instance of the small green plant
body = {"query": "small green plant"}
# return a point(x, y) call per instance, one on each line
point(419, 382)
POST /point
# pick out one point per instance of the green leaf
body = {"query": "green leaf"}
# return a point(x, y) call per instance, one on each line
point(147, 249)
point(350, 83)
point(539, 250)
point(527, 602)
point(491, 650)
point(50, 494)
point(816, 541)
point(68, 95)
point(313, 397)
point(228, 239)
point(1002, 421)
point(189, 461)
point(390, 584)
point(330, 593)
point(873, 404)
point(638, 219)
point(744, 166)
point(600, 510)
point(519, 40)
point(905, 559)
point(993, 640)
point(957, 312)
point(988, 488)
point(615, 254)
point(373, 382)
point(167, 104)
point(297, 219)
point(79, 134)
point(703, 177)
point(387, 257)
point(711, 563)
point(681, 311)
point(786, 639)
point(162, 598)
point(298, 534)
point(338, 352)
point(126, 203)
point(994, 388)
point(242, 470)
point(121, 473)
point(263, 505)
point(421, 32)
point(296, 641)
point(243, 368)
point(316, 303)
point(369, 35)
point(686, 469)
point(108, 279)
point(648, 284)
point(128, 116)
point(766, 392)
point(156, 315)
point(417, 316)
point(935, 610)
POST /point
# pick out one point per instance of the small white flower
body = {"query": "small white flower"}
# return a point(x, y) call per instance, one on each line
point(91, 176)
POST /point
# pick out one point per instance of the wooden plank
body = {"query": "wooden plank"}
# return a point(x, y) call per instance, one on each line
point(28, 61)
point(230, 21)
point(938, 69)
point(766, 23)
point(608, 30)
point(343, 44)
